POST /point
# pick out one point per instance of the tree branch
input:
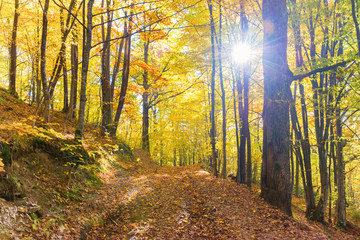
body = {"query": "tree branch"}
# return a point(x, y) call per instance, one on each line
point(319, 70)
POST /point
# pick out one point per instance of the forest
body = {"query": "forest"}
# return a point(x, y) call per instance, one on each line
point(263, 96)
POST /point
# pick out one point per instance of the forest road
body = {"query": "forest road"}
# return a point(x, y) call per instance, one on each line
point(188, 203)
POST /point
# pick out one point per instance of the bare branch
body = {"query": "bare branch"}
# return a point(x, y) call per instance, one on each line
point(319, 70)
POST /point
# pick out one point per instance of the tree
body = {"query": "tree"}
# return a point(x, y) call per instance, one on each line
point(213, 72)
point(275, 177)
point(45, 87)
point(107, 106)
point(84, 72)
point(13, 54)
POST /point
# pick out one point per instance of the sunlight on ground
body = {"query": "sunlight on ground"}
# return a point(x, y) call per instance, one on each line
point(162, 175)
point(202, 172)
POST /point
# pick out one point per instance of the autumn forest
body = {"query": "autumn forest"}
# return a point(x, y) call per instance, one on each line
point(263, 96)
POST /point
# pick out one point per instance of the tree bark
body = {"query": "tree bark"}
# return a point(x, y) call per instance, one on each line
point(13, 54)
point(145, 102)
point(107, 106)
point(125, 77)
point(223, 97)
point(74, 77)
point(84, 72)
point(356, 23)
point(43, 64)
point(341, 200)
point(275, 177)
point(213, 72)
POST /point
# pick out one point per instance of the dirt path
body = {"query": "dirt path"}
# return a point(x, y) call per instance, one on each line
point(188, 203)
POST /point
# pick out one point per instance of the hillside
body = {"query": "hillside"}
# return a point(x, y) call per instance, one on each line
point(53, 188)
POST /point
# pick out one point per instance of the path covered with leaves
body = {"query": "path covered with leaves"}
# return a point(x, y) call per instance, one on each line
point(187, 203)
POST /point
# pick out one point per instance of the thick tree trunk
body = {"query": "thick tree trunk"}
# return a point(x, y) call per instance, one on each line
point(43, 64)
point(13, 54)
point(275, 177)
point(84, 72)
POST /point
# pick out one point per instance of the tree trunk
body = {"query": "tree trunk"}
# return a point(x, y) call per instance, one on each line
point(107, 106)
point(223, 97)
point(302, 146)
point(125, 77)
point(84, 72)
point(245, 112)
point(213, 72)
point(145, 105)
point(275, 176)
point(341, 200)
point(43, 64)
point(74, 77)
point(356, 23)
point(13, 55)
point(56, 73)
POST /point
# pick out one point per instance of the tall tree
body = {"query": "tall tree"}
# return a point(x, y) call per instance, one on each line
point(45, 87)
point(107, 106)
point(84, 71)
point(223, 96)
point(213, 72)
point(356, 23)
point(302, 142)
point(13, 54)
point(125, 74)
point(145, 141)
point(275, 177)
point(74, 73)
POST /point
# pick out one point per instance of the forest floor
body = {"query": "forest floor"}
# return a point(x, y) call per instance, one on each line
point(185, 203)
point(136, 198)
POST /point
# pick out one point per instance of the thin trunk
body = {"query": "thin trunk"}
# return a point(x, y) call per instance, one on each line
point(116, 67)
point(341, 199)
point(236, 129)
point(223, 97)
point(43, 64)
point(13, 55)
point(302, 144)
point(125, 78)
point(63, 65)
point(56, 73)
point(107, 106)
point(245, 117)
point(356, 23)
point(84, 72)
point(74, 77)
point(145, 105)
point(213, 72)
point(66, 86)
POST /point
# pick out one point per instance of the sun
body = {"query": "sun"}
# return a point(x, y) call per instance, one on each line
point(241, 53)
